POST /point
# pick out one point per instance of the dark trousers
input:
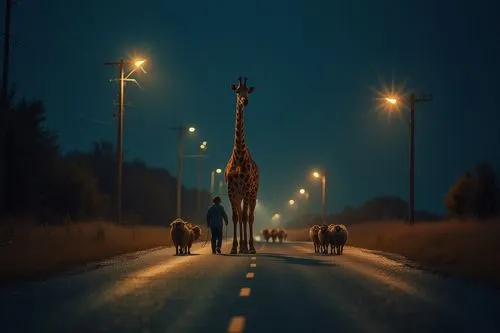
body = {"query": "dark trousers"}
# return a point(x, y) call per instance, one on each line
point(216, 237)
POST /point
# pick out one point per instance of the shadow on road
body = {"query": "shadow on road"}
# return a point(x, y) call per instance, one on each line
point(299, 261)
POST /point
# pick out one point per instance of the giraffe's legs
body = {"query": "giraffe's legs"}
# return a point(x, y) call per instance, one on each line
point(251, 216)
point(236, 208)
point(243, 225)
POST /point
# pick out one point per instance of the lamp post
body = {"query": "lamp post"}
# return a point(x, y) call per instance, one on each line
point(394, 101)
point(212, 179)
point(182, 130)
point(203, 148)
point(119, 149)
point(305, 194)
point(318, 175)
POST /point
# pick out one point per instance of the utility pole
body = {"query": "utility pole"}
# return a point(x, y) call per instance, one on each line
point(119, 147)
point(182, 130)
point(179, 172)
point(323, 187)
point(4, 106)
point(203, 148)
point(413, 99)
point(119, 139)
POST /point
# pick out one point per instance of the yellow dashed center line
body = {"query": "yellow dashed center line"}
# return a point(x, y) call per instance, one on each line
point(236, 325)
point(253, 265)
point(245, 292)
point(250, 275)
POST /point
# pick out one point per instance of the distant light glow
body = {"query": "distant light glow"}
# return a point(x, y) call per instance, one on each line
point(191, 129)
point(218, 170)
point(316, 174)
point(204, 143)
point(291, 202)
point(302, 191)
point(276, 217)
point(257, 238)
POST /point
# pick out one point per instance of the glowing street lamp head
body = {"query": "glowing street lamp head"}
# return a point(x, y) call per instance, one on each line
point(218, 170)
point(302, 191)
point(191, 129)
point(391, 100)
point(204, 143)
point(139, 62)
point(276, 216)
point(203, 147)
point(316, 174)
point(291, 202)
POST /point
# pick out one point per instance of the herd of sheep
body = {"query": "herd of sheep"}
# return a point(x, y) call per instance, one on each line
point(274, 234)
point(333, 236)
point(183, 235)
point(324, 237)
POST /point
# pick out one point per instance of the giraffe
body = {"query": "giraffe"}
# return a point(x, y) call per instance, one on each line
point(242, 175)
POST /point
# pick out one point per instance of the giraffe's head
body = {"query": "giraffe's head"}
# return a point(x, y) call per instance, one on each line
point(242, 91)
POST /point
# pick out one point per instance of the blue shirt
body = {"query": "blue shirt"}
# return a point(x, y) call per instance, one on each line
point(215, 215)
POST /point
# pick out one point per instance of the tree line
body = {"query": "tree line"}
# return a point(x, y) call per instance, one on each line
point(46, 186)
point(475, 195)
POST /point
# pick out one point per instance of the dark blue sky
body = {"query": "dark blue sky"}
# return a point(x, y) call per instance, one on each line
point(314, 64)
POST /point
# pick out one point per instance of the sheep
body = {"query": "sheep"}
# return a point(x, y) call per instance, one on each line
point(324, 238)
point(338, 238)
point(266, 234)
point(274, 234)
point(313, 235)
point(281, 235)
point(179, 232)
point(194, 234)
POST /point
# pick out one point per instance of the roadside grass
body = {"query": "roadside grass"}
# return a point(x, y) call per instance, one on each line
point(468, 249)
point(28, 250)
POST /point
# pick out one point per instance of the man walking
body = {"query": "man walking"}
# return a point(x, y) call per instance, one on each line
point(215, 215)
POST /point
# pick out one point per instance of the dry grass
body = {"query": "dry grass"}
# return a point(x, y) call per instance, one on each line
point(27, 250)
point(467, 249)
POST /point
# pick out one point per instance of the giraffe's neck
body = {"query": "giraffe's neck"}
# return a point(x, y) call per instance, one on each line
point(240, 146)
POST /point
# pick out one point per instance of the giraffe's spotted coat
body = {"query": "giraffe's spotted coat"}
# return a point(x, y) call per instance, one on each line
point(242, 175)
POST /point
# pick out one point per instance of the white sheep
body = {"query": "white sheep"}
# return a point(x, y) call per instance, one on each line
point(179, 233)
point(266, 234)
point(281, 235)
point(194, 234)
point(274, 234)
point(324, 238)
point(313, 236)
point(338, 238)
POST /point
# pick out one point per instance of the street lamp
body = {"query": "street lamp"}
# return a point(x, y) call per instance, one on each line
point(304, 194)
point(317, 175)
point(182, 130)
point(212, 179)
point(137, 64)
point(291, 202)
point(394, 101)
point(203, 148)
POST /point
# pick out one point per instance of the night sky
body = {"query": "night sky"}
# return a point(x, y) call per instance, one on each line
point(316, 66)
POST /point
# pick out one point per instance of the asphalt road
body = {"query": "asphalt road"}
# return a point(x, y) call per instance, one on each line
point(292, 290)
